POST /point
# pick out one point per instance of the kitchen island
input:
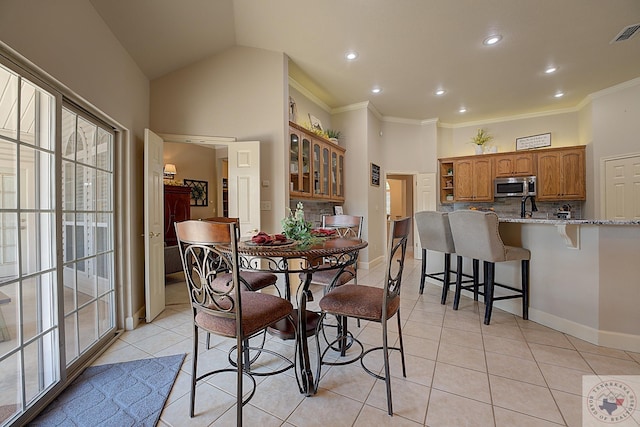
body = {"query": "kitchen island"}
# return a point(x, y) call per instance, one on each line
point(585, 277)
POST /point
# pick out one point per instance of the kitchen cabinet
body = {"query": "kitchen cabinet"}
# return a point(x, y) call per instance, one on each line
point(473, 179)
point(337, 174)
point(177, 207)
point(299, 163)
point(447, 194)
point(561, 174)
point(316, 166)
point(519, 164)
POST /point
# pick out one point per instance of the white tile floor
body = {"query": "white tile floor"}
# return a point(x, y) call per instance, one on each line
point(459, 371)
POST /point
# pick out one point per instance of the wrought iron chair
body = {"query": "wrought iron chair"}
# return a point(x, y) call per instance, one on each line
point(225, 309)
point(375, 304)
point(251, 280)
point(347, 226)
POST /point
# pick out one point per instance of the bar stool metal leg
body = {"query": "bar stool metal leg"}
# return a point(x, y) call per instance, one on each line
point(489, 268)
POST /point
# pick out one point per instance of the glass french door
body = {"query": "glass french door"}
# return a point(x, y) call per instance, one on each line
point(57, 286)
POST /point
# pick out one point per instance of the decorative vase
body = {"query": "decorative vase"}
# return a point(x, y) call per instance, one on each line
point(478, 149)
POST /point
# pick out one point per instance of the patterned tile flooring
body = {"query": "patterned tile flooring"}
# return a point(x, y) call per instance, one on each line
point(459, 371)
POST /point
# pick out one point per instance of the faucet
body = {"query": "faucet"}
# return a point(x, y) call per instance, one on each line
point(534, 208)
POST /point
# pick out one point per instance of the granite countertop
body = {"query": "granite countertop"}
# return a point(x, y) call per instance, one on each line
point(555, 221)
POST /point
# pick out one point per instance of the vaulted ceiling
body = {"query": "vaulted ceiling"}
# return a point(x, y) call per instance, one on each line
point(408, 48)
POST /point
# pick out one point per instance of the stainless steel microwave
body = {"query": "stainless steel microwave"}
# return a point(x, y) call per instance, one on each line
point(518, 186)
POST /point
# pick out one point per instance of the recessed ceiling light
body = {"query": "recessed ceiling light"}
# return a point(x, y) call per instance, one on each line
point(551, 69)
point(376, 90)
point(440, 92)
point(462, 110)
point(559, 94)
point(351, 55)
point(491, 40)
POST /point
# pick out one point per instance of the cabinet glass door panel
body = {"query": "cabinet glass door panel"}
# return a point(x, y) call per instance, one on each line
point(306, 165)
point(316, 169)
point(325, 171)
point(294, 166)
point(340, 176)
point(334, 174)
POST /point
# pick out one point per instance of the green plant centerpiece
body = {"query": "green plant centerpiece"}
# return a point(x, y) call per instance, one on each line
point(481, 137)
point(295, 227)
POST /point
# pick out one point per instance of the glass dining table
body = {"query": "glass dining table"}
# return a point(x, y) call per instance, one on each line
point(335, 254)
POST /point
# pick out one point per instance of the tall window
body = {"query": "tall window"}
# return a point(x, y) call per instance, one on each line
point(57, 286)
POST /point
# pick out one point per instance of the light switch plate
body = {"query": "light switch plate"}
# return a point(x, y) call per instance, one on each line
point(265, 205)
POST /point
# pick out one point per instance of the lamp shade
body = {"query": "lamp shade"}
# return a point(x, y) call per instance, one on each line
point(170, 169)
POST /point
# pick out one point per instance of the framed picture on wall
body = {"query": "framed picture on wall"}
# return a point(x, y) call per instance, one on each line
point(337, 210)
point(199, 192)
point(375, 175)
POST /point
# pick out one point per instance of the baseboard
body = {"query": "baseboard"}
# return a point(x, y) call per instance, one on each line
point(371, 264)
point(130, 323)
point(621, 341)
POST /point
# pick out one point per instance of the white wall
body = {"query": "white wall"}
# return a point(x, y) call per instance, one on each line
point(615, 118)
point(352, 122)
point(376, 194)
point(409, 146)
point(70, 41)
point(239, 93)
point(564, 129)
point(305, 107)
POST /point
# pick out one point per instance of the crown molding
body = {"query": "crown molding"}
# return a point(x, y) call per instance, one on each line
point(510, 118)
point(297, 86)
point(622, 86)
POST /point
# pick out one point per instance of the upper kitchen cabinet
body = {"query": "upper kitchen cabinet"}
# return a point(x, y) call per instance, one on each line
point(446, 181)
point(321, 163)
point(473, 179)
point(519, 164)
point(561, 174)
point(337, 174)
point(299, 163)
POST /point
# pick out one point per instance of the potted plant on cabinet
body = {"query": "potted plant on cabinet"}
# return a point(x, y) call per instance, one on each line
point(333, 135)
point(480, 139)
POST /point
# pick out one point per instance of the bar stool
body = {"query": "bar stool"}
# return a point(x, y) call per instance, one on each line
point(435, 235)
point(476, 235)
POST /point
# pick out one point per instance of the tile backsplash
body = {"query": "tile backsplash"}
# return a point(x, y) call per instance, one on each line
point(510, 207)
point(313, 211)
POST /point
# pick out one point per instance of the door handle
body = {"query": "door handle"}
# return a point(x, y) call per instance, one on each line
point(151, 234)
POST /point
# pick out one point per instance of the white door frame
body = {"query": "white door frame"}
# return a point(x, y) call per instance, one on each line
point(417, 204)
point(154, 234)
point(603, 176)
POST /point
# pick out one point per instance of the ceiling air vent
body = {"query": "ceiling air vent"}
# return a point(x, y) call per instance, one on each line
point(626, 33)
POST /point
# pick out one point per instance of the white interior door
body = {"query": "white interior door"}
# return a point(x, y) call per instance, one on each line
point(425, 200)
point(244, 185)
point(153, 225)
point(622, 188)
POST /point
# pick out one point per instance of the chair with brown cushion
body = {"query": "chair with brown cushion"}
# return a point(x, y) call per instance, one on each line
point(373, 303)
point(224, 309)
point(435, 235)
point(348, 226)
point(251, 280)
point(476, 235)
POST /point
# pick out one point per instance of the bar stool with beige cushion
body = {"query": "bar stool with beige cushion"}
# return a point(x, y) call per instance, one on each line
point(476, 235)
point(435, 235)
